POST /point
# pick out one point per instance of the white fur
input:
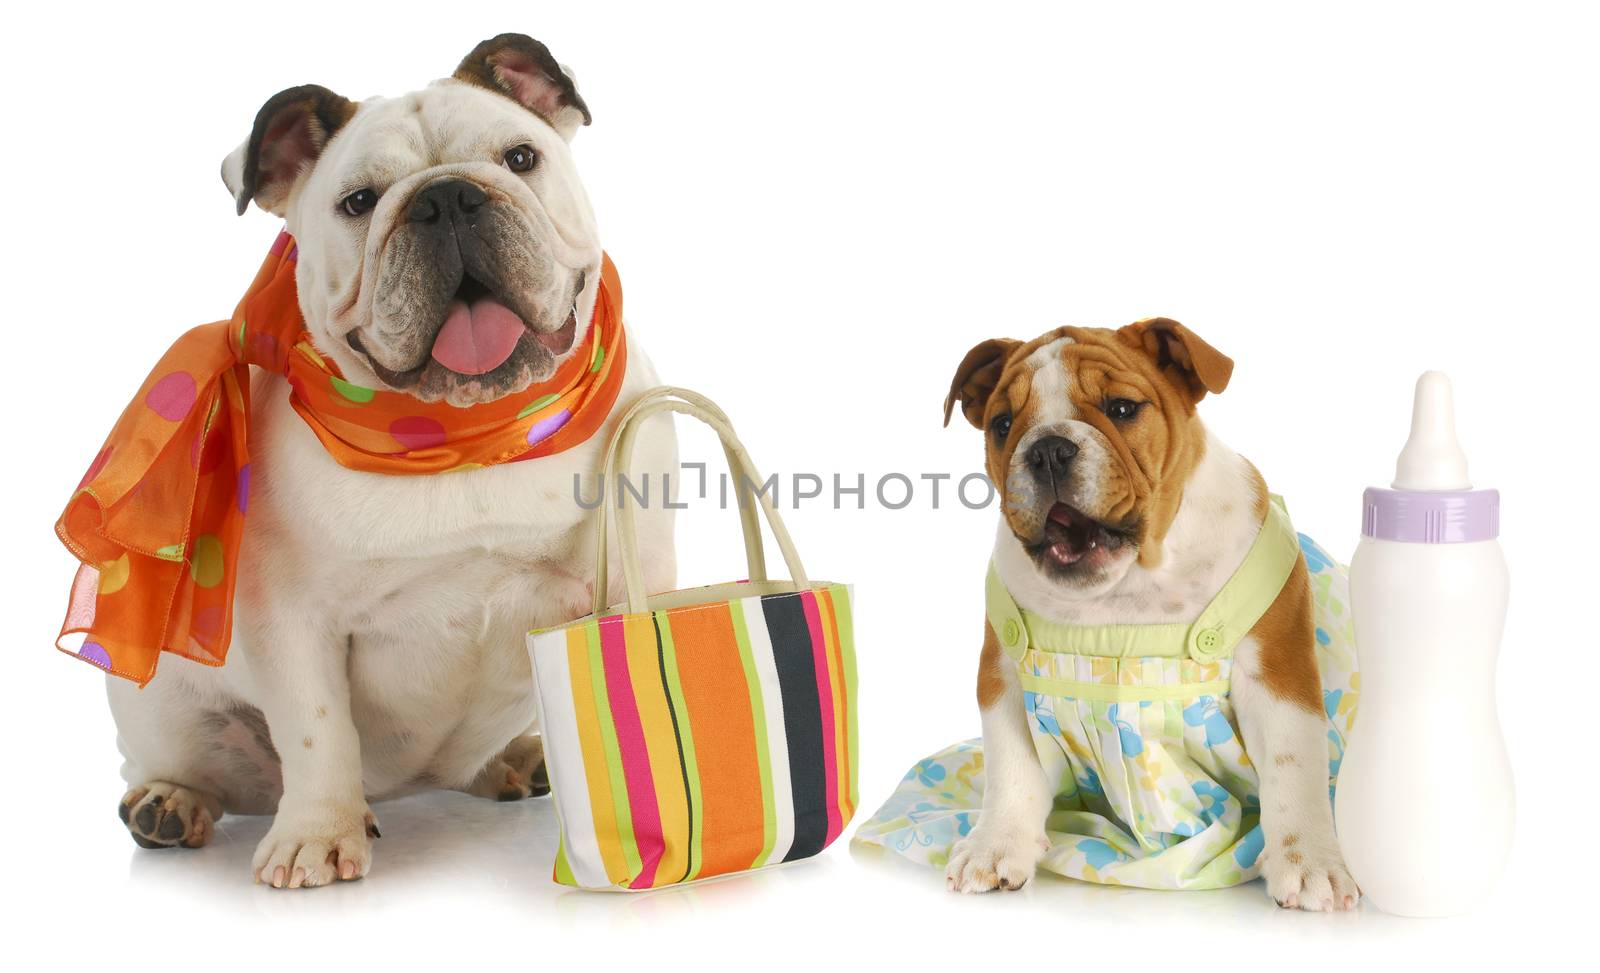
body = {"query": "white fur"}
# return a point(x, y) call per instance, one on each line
point(1006, 845)
point(380, 619)
point(1045, 355)
point(1288, 744)
point(1208, 540)
point(1050, 405)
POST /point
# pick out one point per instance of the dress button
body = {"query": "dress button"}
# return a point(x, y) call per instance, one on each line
point(1207, 641)
point(1012, 633)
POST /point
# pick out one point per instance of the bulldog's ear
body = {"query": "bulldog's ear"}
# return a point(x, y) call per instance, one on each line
point(524, 70)
point(1181, 354)
point(290, 132)
point(976, 378)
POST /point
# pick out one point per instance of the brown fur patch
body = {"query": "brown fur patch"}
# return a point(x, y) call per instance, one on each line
point(1182, 355)
point(1290, 839)
point(1285, 760)
point(480, 67)
point(1293, 857)
point(290, 131)
point(1015, 397)
point(1157, 451)
point(1286, 634)
point(991, 672)
point(977, 377)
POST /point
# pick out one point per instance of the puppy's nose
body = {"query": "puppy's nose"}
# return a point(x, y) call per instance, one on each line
point(446, 197)
point(1051, 456)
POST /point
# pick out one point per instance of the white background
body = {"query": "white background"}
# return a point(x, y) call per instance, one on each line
point(816, 210)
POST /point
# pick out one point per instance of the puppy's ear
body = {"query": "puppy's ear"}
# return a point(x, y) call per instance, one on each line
point(977, 377)
point(524, 70)
point(290, 132)
point(1183, 356)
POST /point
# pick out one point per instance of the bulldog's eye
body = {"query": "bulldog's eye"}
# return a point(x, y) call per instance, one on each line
point(1121, 410)
point(360, 202)
point(1001, 427)
point(521, 158)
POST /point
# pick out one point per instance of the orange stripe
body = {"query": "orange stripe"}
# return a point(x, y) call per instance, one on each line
point(594, 754)
point(841, 730)
point(644, 671)
point(718, 700)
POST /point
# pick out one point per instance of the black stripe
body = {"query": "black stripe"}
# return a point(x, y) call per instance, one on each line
point(683, 766)
point(802, 720)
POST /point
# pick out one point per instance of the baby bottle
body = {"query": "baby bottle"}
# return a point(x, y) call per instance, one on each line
point(1424, 803)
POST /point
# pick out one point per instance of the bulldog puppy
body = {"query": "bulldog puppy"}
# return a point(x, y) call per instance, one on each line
point(1120, 507)
point(380, 620)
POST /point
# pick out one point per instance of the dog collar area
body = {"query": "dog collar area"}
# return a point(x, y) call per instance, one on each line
point(1226, 620)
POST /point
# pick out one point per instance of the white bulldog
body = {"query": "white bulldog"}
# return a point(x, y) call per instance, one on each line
point(378, 646)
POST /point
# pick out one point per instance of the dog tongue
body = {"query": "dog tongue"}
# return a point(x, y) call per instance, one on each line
point(478, 338)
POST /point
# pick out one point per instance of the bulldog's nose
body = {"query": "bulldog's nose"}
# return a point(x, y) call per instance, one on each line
point(446, 197)
point(1051, 456)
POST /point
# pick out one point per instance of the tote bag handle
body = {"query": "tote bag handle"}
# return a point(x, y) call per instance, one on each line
point(755, 557)
point(619, 451)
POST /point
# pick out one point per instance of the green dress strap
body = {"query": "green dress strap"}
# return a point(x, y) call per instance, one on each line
point(1213, 635)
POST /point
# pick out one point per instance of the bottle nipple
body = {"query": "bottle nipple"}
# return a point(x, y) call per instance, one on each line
point(1432, 458)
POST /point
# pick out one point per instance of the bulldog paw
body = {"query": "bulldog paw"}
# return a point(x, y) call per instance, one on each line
point(1315, 881)
point(164, 815)
point(518, 772)
point(307, 847)
point(990, 859)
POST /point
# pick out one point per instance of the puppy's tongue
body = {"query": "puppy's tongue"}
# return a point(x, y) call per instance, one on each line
point(477, 338)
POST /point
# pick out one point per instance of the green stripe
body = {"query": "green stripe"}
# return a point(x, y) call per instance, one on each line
point(608, 737)
point(847, 655)
point(563, 869)
point(358, 394)
point(1118, 692)
point(1167, 640)
point(599, 357)
point(752, 681)
point(536, 405)
point(675, 691)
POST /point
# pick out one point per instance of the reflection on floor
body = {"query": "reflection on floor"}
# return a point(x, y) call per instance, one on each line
point(473, 850)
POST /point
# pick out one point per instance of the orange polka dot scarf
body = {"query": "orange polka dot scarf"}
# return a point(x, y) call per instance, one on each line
point(158, 518)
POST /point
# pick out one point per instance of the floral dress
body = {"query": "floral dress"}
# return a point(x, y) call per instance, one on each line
point(1136, 733)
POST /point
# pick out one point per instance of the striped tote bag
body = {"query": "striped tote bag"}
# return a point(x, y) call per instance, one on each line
point(702, 732)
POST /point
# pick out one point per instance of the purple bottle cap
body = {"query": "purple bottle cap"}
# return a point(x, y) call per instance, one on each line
point(1429, 516)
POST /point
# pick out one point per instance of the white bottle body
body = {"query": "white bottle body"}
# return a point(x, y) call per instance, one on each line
point(1425, 803)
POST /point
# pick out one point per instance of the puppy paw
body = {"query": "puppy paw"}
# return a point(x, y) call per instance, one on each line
point(1313, 880)
point(994, 858)
point(518, 772)
point(315, 845)
point(164, 815)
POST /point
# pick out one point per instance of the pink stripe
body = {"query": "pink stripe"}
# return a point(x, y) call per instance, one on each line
point(830, 756)
point(635, 757)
